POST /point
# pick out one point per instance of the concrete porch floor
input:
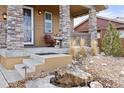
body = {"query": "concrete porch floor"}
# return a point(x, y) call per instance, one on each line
point(9, 58)
point(29, 51)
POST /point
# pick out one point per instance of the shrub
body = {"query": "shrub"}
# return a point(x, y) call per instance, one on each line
point(111, 44)
point(94, 47)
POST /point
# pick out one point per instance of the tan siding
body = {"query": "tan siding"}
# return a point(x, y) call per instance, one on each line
point(39, 23)
point(38, 27)
point(55, 22)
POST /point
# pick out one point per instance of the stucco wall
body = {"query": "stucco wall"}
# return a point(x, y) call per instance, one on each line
point(3, 30)
point(39, 23)
point(3, 9)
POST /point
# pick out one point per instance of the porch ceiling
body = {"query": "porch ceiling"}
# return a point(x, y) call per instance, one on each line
point(76, 10)
point(100, 7)
point(80, 10)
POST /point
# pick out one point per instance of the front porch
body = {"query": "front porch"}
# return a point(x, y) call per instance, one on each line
point(9, 58)
point(36, 59)
point(27, 25)
point(12, 28)
point(30, 61)
point(22, 26)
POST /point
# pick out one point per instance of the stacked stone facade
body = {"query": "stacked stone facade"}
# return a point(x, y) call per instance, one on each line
point(65, 22)
point(92, 24)
point(15, 35)
point(2, 34)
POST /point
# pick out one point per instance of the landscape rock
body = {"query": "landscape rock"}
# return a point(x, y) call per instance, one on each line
point(104, 64)
point(102, 53)
point(91, 61)
point(72, 77)
point(96, 84)
point(121, 74)
point(18, 84)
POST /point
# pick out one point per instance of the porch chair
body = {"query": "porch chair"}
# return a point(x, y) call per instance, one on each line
point(49, 40)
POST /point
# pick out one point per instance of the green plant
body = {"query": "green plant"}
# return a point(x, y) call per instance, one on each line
point(111, 44)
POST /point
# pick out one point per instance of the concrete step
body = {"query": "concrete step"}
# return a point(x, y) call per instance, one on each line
point(21, 71)
point(3, 82)
point(37, 57)
point(31, 62)
point(42, 57)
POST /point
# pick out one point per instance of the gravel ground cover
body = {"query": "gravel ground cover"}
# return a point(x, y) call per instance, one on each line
point(107, 70)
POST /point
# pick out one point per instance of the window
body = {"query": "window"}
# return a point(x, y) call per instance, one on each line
point(121, 34)
point(98, 35)
point(48, 22)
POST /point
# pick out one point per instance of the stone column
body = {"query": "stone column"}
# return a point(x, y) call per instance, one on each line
point(93, 31)
point(92, 24)
point(15, 35)
point(2, 34)
point(65, 22)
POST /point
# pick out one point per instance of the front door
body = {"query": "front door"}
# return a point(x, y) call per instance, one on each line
point(28, 25)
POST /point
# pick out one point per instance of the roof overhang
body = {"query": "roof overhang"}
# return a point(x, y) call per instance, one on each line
point(80, 10)
point(77, 10)
point(100, 7)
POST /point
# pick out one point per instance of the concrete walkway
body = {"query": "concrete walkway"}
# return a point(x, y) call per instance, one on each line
point(44, 83)
point(41, 83)
point(3, 83)
point(10, 75)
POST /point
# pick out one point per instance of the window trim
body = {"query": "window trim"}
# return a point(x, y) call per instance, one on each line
point(48, 21)
point(32, 25)
point(98, 35)
point(120, 34)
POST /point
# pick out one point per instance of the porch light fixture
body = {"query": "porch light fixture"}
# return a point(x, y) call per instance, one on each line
point(4, 15)
point(39, 12)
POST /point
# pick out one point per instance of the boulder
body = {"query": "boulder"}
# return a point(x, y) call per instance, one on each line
point(102, 53)
point(96, 84)
point(73, 77)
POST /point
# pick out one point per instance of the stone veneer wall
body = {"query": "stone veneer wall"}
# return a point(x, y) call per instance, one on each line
point(15, 35)
point(65, 22)
point(92, 24)
point(2, 34)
